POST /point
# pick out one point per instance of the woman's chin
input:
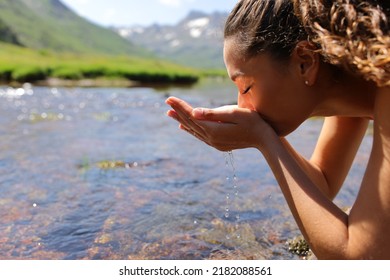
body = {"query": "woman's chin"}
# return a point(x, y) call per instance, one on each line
point(283, 131)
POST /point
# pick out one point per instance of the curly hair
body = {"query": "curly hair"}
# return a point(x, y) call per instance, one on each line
point(352, 34)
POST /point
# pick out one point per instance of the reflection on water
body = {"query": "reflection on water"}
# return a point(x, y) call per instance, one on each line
point(103, 174)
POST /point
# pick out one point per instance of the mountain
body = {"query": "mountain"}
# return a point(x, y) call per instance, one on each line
point(7, 35)
point(49, 24)
point(197, 40)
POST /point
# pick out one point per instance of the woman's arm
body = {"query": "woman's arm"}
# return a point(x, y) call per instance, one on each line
point(331, 160)
point(331, 233)
point(334, 153)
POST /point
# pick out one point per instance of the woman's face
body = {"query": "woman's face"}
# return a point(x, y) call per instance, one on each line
point(273, 89)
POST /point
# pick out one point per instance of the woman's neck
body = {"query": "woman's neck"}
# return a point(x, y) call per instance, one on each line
point(353, 97)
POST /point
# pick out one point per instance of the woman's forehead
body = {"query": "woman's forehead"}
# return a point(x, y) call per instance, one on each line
point(234, 61)
point(238, 66)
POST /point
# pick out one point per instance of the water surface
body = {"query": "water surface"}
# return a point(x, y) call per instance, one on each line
point(61, 197)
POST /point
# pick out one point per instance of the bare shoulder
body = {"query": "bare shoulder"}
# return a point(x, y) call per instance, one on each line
point(370, 217)
point(382, 112)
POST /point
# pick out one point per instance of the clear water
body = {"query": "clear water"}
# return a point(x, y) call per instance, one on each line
point(165, 196)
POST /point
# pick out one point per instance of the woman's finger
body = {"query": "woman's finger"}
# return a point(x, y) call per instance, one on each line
point(182, 112)
point(221, 114)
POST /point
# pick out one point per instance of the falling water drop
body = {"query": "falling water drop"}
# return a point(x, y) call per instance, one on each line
point(227, 196)
point(232, 185)
point(227, 214)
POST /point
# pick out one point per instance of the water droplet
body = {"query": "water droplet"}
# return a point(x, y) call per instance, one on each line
point(35, 205)
point(232, 185)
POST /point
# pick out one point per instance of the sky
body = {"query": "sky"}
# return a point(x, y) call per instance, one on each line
point(143, 12)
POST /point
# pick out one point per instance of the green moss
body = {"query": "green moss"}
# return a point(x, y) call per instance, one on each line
point(299, 246)
point(34, 118)
point(107, 164)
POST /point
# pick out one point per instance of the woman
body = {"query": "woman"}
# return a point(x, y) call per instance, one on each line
point(286, 74)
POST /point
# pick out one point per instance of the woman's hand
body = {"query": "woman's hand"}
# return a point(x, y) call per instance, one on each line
point(225, 128)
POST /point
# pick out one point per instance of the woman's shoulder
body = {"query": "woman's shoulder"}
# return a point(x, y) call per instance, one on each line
point(382, 112)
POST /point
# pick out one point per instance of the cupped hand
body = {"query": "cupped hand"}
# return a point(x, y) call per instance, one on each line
point(225, 128)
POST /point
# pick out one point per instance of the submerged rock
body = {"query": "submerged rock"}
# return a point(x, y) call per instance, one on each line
point(299, 246)
point(240, 239)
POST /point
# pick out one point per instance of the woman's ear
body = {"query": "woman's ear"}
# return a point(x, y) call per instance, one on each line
point(307, 61)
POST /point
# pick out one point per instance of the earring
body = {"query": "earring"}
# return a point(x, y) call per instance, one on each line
point(307, 83)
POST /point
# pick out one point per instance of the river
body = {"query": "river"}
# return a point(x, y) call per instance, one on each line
point(102, 173)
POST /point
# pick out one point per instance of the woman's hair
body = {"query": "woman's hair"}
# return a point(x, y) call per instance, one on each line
point(265, 26)
point(350, 33)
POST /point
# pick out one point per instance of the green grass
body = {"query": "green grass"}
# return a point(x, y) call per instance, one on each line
point(48, 24)
point(25, 65)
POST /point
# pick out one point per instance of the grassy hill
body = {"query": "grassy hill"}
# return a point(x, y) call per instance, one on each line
point(7, 35)
point(49, 24)
point(41, 39)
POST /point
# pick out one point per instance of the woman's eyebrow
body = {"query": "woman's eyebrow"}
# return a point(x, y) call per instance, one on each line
point(236, 75)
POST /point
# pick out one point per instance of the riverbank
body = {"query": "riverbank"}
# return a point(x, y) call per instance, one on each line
point(21, 65)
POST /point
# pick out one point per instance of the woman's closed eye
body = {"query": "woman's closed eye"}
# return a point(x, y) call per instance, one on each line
point(247, 90)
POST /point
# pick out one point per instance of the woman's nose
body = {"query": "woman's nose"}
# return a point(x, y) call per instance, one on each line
point(243, 101)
